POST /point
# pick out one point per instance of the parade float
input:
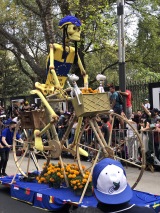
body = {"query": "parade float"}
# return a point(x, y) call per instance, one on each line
point(54, 184)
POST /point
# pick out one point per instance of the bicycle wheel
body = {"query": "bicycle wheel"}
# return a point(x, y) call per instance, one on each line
point(120, 147)
point(27, 158)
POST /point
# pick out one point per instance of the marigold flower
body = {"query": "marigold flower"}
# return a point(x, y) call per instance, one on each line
point(84, 180)
point(58, 174)
point(85, 176)
point(51, 179)
point(83, 167)
point(42, 179)
point(73, 176)
point(74, 182)
point(75, 187)
point(69, 176)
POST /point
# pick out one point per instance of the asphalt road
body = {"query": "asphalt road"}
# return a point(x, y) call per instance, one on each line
point(10, 205)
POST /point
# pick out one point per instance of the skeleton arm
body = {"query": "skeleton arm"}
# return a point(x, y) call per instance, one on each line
point(83, 72)
point(52, 68)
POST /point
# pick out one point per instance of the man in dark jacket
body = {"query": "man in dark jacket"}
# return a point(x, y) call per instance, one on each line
point(5, 145)
point(112, 190)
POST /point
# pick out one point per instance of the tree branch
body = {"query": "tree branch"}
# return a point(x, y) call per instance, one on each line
point(103, 71)
point(30, 7)
point(20, 47)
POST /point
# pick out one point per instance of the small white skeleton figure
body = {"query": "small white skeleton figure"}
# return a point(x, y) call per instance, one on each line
point(101, 78)
point(75, 90)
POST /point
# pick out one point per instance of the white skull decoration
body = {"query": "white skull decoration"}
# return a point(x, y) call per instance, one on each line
point(73, 32)
point(73, 77)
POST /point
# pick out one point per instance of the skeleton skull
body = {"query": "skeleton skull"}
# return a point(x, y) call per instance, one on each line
point(73, 32)
point(73, 77)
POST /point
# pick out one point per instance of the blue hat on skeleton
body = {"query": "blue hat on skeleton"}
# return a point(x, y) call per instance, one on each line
point(69, 20)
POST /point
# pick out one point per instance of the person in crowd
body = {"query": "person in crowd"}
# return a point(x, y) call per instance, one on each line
point(153, 136)
point(144, 127)
point(147, 104)
point(89, 139)
point(112, 190)
point(139, 113)
point(105, 127)
point(15, 111)
point(5, 146)
point(73, 131)
point(62, 124)
point(21, 106)
point(157, 142)
point(2, 110)
point(128, 96)
point(9, 111)
point(132, 143)
point(114, 100)
point(88, 132)
point(116, 106)
point(26, 106)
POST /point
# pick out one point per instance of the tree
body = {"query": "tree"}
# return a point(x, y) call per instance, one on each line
point(143, 54)
point(13, 82)
point(28, 34)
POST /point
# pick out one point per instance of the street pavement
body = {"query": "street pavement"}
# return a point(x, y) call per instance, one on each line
point(150, 182)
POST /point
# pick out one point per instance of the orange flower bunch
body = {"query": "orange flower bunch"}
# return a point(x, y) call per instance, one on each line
point(89, 90)
point(76, 179)
point(53, 175)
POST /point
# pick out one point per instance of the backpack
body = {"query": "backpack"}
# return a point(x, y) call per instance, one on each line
point(120, 97)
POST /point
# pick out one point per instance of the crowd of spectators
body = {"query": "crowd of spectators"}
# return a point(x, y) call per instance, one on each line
point(12, 112)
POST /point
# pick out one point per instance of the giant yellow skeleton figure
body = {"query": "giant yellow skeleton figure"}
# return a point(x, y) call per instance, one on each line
point(62, 57)
point(60, 60)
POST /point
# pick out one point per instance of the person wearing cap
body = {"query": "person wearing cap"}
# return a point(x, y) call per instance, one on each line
point(111, 190)
point(147, 104)
point(6, 141)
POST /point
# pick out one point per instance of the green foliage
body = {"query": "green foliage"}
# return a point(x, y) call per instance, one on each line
point(13, 82)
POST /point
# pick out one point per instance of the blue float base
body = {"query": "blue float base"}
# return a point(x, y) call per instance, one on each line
point(41, 196)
